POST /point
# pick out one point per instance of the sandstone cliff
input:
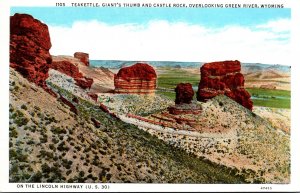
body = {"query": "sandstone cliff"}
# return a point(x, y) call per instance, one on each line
point(29, 48)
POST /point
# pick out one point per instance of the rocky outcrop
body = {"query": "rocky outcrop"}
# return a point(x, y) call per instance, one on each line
point(83, 57)
point(68, 103)
point(84, 82)
point(75, 100)
point(139, 78)
point(93, 96)
point(184, 109)
point(223, 78)
point(183, 102)
point(72, 70)
point(184, 93)
point(29, 48)
point(96, 123)
point(105, 109)
point(67, 68)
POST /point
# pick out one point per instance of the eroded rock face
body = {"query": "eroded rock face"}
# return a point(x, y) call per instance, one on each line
point(184, 93)
point(83, 57)
point(67, 68)
point(139, 78)
point(223, 78)
point(29, 48)
point(72, 70)
point(84, 82)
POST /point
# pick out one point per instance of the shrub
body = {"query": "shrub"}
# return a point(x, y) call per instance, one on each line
point(44, 139)
point(30, 142)
point(62, 147)
point(46, 168)
point(20, 121)
point(13, 134)
point(54, 140)
point(68, 172)
point(57, 130)
point(51, 146)
point(81, 173)
point(37, 108)
point(24, 107)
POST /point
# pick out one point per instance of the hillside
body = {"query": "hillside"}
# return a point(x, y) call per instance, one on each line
point(267, 76)
point(225, 133)
point(49, 143)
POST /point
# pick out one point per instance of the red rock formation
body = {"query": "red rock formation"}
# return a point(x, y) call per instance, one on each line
point(96, 123)
point(93, 96)
point(72, 70)
point(83, 57)
point(105, 109)
point(184, 93)
point(84, 82)
point(68, 103)
point(67, 68)
point(139, 78)
point(148, 120)
point(29, 48)
point(223, 78)
point(75, 100)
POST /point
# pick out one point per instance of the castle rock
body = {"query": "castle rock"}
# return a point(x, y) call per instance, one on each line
point(223, 78)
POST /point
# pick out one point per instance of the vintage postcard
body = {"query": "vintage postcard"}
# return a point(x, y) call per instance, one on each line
point(149, 95)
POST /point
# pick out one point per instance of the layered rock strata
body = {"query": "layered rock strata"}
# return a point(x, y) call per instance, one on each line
point(185, 109)
point(139, 78)
point(223, 78)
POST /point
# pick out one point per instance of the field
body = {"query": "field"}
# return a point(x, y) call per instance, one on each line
point(270, 98)
point(168, 78)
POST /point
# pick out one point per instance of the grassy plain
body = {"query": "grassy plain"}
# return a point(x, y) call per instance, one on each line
point(270, 98)
point(169, 77)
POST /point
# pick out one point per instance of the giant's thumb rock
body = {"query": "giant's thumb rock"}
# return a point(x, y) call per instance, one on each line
point(223, 77)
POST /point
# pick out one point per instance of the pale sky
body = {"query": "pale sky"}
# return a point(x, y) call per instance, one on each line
point(168, 34)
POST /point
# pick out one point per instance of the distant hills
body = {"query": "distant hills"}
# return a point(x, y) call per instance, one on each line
point(247, 67)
